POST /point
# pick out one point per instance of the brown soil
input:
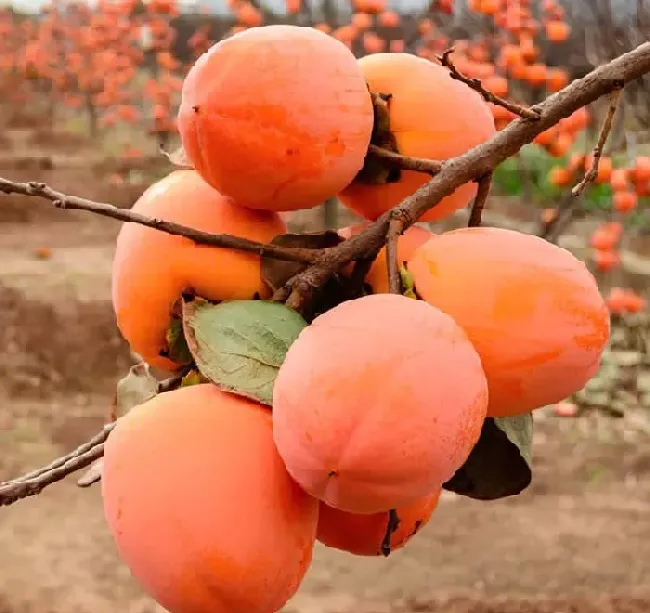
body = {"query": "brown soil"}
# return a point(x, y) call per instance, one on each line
point(578, 540)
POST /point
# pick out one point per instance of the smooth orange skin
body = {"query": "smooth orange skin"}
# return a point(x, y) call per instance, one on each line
point(152, 268)
point(379, 401)
point(201, 507)
point(407, 243)
point(284, 117)
point(431, 116)
point(362, 535)
point(532, 310)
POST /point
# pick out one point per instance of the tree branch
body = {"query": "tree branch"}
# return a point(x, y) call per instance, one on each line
point(404, 162)
point(62, 201)
point(483, 193)
point(35, 482)
point(476, 162)
point(605, 130)
point(392, 255)
point(488, 96)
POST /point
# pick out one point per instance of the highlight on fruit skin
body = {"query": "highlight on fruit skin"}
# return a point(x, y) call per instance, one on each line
point(278, 117)
point(378, 403)
point(532, 310)
point(201, 507)
point(363, 535)
point(407, 243)
point(151, 269)
point(431, 116)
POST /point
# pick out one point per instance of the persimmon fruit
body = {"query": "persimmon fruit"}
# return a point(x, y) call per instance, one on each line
point(151, 269)
point(531, 309)
point(278, 117)
point(379, 401)
point(242, 540)
point(363, 534)
point(431, 116)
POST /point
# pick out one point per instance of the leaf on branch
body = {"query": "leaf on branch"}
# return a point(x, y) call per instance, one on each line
point(240, 345)
point(177, 349)
point(275, 273)
point(179, 158)
point(408, 283)
point(92, 475)
point(500, 463)
point(133, 389)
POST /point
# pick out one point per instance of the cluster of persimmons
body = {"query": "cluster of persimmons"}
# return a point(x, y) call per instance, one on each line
point(215, 501)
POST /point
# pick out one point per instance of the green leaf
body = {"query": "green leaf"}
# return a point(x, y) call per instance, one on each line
point(500, 463)
point(240, 345)
point(177, 349)
point(408, 283)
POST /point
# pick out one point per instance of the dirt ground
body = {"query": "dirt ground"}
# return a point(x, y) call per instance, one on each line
point(577, 541)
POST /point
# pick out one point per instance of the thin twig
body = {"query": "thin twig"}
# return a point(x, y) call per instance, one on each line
point(33, 483)
point(404, 162)
point(552, 229)
point(484, 186)
point(605, 131)
point(62, 201)
point(395, 227)
point(488, 96)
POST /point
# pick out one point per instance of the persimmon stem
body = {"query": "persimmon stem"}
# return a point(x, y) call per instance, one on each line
point(395, 227)
point(404, 162)
point(62, 201)
point(605, 130)
point(391, 528)
point(483, 193)
point(34, 482)
point(488, 96)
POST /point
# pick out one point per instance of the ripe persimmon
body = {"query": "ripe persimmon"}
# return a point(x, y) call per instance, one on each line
point(242, 540)
point(363, 534)
point(431, 116)
point(151, 268)
point(278, 117)
point(378, 403)
point(407, 243)
point(532, 310)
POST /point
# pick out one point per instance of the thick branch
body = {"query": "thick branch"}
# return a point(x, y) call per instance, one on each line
point(63, 201)
point(483, 193)
point(403, 162)
point(477, 86)
point(592, 173)
point(478, 161)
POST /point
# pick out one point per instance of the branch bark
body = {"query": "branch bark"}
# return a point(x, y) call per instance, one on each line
point(63, 201)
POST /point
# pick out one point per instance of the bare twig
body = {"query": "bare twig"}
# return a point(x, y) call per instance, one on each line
point(392, 255)
point(33, 483)
point(62, 201)
point(404, 162)
point(484, 186)
point(488, 96)
point(554, 227)
point(605, 130)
